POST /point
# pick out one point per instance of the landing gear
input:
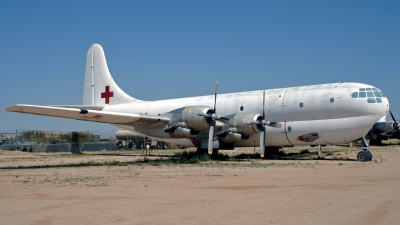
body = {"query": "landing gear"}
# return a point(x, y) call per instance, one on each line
point(364, 155)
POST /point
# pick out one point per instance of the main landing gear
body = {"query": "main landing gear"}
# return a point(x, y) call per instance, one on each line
point(364, 155)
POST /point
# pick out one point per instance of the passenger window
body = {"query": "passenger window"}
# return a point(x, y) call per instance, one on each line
point(370, 95)
point(371, 100)
point(289, 128)
point(354, 95)
point(241, 108)
point(301, 105)
point(378, 100)
point(377, 94)
point(362, 95)
point(362, 89)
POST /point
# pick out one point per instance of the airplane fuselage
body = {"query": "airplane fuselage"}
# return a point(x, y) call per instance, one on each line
point(311, 115)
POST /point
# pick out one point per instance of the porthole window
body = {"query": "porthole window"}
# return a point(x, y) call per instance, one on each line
point(289, 128)
point(241, 108)
point(332, 100)
point(301, 105)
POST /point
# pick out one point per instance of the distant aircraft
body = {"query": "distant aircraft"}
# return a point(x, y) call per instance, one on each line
point(335, 113)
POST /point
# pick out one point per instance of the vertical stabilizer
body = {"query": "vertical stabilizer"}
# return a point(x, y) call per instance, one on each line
point(100, 88)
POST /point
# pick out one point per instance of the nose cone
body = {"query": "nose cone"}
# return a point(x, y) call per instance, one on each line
point(369, 100)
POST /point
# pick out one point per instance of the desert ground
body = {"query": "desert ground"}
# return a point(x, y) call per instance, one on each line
point(298, 188)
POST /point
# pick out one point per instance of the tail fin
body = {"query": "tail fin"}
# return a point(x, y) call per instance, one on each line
point(100, 88)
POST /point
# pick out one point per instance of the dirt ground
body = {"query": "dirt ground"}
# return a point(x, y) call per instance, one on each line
point(334, 190)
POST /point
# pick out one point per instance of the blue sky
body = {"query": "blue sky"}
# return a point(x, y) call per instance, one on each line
point(169, 49)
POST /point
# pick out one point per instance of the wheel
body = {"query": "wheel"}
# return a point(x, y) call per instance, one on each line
point(364, 156)
point(369, 156)
point(165, 145)
point(120, 145)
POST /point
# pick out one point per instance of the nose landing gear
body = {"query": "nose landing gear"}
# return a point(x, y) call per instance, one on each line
point(364, 155)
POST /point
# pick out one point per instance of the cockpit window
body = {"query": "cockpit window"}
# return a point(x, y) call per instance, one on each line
point(377, 94)
point(374, 95)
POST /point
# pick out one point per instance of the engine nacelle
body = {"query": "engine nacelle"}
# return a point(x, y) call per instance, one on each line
point(181, 132)
point(234, 137)
point(242, 122)
point(190, 115)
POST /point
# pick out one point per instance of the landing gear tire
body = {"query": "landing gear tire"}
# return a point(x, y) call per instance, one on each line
point(165, 146)
point(120, 145)
point(369, 155)
point(364, 156)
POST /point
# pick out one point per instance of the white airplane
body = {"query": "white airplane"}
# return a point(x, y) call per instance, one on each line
point(335, 113)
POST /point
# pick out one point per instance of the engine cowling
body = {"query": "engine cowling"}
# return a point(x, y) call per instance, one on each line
point(190, 115)
point(242, 122)
point(181, 132)
point(234, 137)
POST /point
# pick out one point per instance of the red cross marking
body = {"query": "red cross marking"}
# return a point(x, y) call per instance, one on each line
point(107, 94)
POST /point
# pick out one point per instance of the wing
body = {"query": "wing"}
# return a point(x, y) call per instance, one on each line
point(90, 115)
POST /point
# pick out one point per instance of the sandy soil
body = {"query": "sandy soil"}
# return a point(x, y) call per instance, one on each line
point(337, 191)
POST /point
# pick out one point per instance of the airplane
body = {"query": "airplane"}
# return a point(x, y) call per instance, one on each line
point(334, 113)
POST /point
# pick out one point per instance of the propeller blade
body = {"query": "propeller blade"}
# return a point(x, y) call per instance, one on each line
point(262, 142)
point(394, 120)
point(215, 98)
point(263, 115)
point(211, 138)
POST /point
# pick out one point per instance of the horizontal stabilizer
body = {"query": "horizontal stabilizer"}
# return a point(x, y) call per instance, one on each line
point(90, 115)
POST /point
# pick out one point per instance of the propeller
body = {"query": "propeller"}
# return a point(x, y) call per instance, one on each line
point(262, 130)
point(261, 123)
point(213, 116)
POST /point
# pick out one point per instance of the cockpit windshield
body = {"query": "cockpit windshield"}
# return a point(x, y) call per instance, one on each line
point(373, 95)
